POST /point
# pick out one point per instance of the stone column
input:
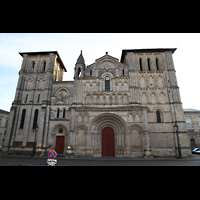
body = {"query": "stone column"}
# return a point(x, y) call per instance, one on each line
point(71, 132)
point(147, 149)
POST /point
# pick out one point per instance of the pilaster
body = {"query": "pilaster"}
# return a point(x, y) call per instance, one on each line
point(147, 149)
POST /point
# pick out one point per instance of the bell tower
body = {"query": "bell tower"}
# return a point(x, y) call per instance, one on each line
point(79, 70)
point(31, 105)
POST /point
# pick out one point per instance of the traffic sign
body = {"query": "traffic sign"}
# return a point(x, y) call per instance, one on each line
point(51, 162)
point(52, 154)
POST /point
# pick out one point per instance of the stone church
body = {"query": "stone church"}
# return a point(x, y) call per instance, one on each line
point(125, 108)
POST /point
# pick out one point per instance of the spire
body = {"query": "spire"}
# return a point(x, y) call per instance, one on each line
point(80, 59)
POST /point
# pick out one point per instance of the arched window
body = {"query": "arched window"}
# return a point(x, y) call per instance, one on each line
point(22, 119)
point(79, 72)
point(44, 66)
point(157, 66)
point(58, 113)
point(38, 98)
point(26, 98)
point(123, 71)
point(141, 64)
point(90, 72)
point(158, 116)
point(107, 83)
point(64, 113)
point(148, 61)
point(33, 65)
point(35, 119)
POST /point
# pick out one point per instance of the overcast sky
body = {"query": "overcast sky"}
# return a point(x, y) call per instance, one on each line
point(94, 45)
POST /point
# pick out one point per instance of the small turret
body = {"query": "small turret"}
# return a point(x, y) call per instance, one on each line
point(79, 70)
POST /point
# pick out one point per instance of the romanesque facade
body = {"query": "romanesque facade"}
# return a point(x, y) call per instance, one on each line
point(125, 108)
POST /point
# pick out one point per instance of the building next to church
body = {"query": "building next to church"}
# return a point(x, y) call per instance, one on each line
point(192, 118)
point(125, 108)
point(3, 125)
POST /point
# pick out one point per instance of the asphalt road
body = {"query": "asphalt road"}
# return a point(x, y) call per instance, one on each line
point(103, 161)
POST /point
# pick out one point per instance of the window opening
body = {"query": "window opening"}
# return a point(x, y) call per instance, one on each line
point(148, 61)
point(79, 72)
point(64, 113)
point(22, 119)
point(107, 83)
point(58, 113)
point(26, 98)
point(188, 120)
point(60, 130)
point(35, 119)
point(38, 98)
point(44, 66)
point(33, 65)
point(157, 64)
point(158, 116)
point(140, 64)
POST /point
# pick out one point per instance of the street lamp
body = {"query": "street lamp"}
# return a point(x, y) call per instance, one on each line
point(34, 145)
point(179, 147)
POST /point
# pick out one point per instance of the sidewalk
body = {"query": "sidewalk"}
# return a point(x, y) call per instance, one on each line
point(193, 157)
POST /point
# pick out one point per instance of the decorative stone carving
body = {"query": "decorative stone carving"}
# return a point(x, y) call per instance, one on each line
point(62, 97)
point(107, 65)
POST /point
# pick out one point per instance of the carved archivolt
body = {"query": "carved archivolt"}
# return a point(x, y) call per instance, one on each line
point(59, 129)
point(108, 120)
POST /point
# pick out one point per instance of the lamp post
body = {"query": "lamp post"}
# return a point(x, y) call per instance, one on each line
point(34, 145)
point(179, 147)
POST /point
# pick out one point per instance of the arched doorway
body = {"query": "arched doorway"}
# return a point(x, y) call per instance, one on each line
point(108, 142)
point(60, 142)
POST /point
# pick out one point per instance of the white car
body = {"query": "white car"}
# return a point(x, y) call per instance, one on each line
point(196, 150)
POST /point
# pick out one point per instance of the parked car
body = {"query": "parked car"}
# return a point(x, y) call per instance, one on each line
point(196, 150)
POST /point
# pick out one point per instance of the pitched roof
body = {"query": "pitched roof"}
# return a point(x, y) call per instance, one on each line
point(107, 56)
point(80, 59)
point(4, 111)
point(124, 51)
point(45, 53)
point(190, 110)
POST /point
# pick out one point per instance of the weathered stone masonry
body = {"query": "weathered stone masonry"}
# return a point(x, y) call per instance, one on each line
point(137, 97)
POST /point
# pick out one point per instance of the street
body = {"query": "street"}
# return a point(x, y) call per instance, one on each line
point(102, 161)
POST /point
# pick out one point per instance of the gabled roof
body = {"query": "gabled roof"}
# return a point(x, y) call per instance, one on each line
point(124, 51)
point(45, 53)
point(107, 57)
point(3, 111)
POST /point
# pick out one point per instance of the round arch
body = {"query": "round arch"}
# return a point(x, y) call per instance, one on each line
point(107, 74)
point(138, 127)
point(62, 88)
point(161, 113)
point(108, 119)
point(59, 130)
point(56, 129)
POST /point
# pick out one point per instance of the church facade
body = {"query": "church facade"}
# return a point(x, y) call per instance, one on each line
point(125, 108)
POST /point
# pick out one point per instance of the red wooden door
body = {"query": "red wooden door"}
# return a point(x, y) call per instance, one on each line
point(60, 140)
point(108, 142)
